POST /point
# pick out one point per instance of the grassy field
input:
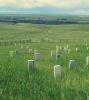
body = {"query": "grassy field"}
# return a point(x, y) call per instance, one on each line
point(17, 83)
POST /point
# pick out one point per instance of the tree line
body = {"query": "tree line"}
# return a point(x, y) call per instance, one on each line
point(38, 20)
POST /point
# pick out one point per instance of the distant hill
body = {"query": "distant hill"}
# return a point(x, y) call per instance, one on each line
point(44, 19)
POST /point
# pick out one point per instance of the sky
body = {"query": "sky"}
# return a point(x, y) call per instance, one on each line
point(60, 7)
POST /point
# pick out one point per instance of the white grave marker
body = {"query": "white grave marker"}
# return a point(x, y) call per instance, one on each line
point(87, 60)
point(69, 50)
point(71, 64)
point(30, 64)
point(31, 51)
point(86, 44)
point(67, 46)
point(77, 49)
point(57, 49)
point(57, 71)
point(53, 54)
point(57, 56)
point(60, 47)
point(87, 48)
point(17, 52)
point(37, 56)
point(65, 49)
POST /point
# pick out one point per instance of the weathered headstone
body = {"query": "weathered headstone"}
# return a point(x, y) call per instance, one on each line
point(37, 56)
point(87, 60)
point(31, 51)
point(67, 46)
point(30, 64)
point(86, 44)
point(87, 48)
point(60, 47)
point(71, 64)
point(57, 71)
point(57, 51)
point(53, 54)
point(17, 52)
point(77, 49)
point(57, 56)
point(57, 48)
point(65, 49)
point(69, 50)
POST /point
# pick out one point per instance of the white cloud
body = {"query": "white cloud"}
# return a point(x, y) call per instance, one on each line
point(60, 4)
point(43, 3)
point(81, 12)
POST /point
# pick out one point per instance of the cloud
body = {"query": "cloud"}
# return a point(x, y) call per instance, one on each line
point(67, 5)
point(43, 3)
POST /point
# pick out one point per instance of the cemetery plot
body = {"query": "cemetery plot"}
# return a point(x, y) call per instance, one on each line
point(44, 70)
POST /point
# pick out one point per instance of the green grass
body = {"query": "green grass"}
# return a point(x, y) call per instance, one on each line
point(17, 83)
